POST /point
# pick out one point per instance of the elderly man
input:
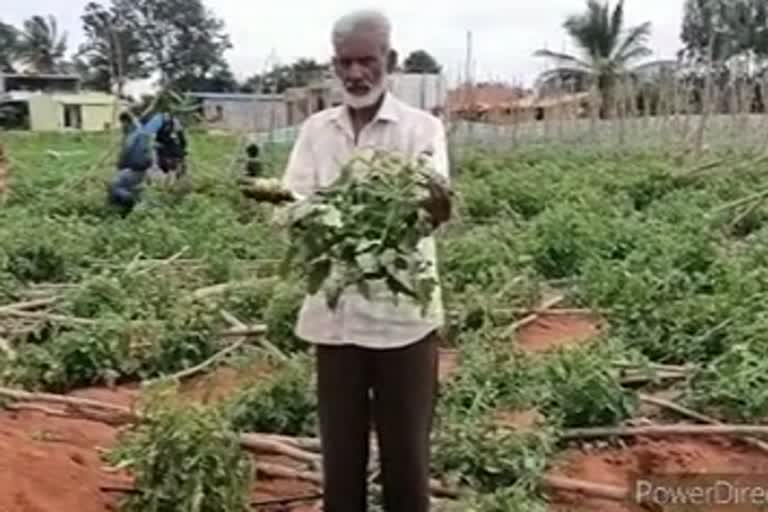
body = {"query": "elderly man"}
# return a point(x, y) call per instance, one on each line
point(375, 360)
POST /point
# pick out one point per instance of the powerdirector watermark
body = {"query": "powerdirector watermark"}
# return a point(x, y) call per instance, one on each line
point(699, 492)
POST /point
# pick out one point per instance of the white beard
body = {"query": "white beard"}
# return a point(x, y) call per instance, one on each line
point(357, 102)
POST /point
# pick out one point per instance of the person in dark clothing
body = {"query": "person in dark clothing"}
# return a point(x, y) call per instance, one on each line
point(171, 146)
point(135, 158)
point(253, 166)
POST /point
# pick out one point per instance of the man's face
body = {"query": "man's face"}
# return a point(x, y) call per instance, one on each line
point(361, 63)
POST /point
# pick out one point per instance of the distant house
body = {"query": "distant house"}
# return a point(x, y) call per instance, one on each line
point(60, 112)
point(426, 92)
point(502, 104)
point(475, 102)
point(53, 102)
point(243, 112)
point(47, 83)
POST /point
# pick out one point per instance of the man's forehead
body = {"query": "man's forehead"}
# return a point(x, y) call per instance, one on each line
point(360, 42)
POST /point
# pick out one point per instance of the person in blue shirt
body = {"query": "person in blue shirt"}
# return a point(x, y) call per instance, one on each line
point(135, 158)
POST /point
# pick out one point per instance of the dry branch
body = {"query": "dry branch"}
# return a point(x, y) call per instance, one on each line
point(641, 377)
point(156, 264)
point(219, 289)
point(548, 304)
point(49, 316)
point(190, 372)
point(312, 444)
point(277, 471)
point(286, 501)
point(666, 430)
point(690, 413)
point(268, 345)
point(262, 444)
point(592, 489)
point(25, 396)
point(29, 304)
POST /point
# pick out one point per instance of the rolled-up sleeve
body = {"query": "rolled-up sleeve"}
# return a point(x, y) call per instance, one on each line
point(300, 175)
point(440, 156)
point(435, 145)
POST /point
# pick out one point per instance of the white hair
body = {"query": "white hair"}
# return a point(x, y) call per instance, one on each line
point(369, 20)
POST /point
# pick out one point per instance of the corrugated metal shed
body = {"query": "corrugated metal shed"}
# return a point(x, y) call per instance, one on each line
point(427, 92)
point(243, 112)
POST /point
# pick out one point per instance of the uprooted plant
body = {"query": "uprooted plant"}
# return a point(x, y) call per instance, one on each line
point(366, 229)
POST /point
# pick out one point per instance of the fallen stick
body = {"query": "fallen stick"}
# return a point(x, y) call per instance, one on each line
point(286, 501)
point(738, 202)
point(629, 378)
point(549, 312)
point(49, 316)
point(191, 372)
point(268, 345)
point(666, 430)
point(29, 304)
point(72, 412)
point(218, 289)
point(121, 488)
point(548, 304)
point(152, 266)
point(26, 396)
point(261, 444)
point(277, 471)
point(653, 366)
point(253, 330)
point(592, 489)
point(305, 443)
point(34, 408)
point(666, 404)
point(690, 413)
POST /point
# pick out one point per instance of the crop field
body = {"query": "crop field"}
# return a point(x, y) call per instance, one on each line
point(607, 317)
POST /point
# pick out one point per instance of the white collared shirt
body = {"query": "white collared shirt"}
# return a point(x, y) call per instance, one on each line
point(325, 142)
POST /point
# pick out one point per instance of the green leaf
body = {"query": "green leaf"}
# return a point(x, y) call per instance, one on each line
point(318, 273)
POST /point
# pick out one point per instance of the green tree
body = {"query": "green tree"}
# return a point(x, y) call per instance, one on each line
point(421, 62)
point(40, 45)
point(608, 50)
point(299, 74)
point(180, 39)
point(112, 53)
point(722, 29)
point(8, 45)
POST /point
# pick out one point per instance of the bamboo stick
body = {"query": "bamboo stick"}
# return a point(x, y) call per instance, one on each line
point(666, 430)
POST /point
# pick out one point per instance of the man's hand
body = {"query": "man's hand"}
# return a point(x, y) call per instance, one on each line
point(438, 204)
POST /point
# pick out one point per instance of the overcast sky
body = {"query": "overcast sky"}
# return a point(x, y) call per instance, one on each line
point(504, 35)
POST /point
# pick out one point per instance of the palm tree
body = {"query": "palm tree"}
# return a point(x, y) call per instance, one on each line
point(607, 50)
point(8, 45)
point(40, 45)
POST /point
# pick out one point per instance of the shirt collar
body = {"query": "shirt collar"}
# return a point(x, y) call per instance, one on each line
point(389, 111)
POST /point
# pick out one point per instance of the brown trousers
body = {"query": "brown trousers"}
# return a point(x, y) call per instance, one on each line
point(397, 390)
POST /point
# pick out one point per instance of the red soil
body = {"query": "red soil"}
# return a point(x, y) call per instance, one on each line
point(552, 331)
point(54, 464)
point(658, 457)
